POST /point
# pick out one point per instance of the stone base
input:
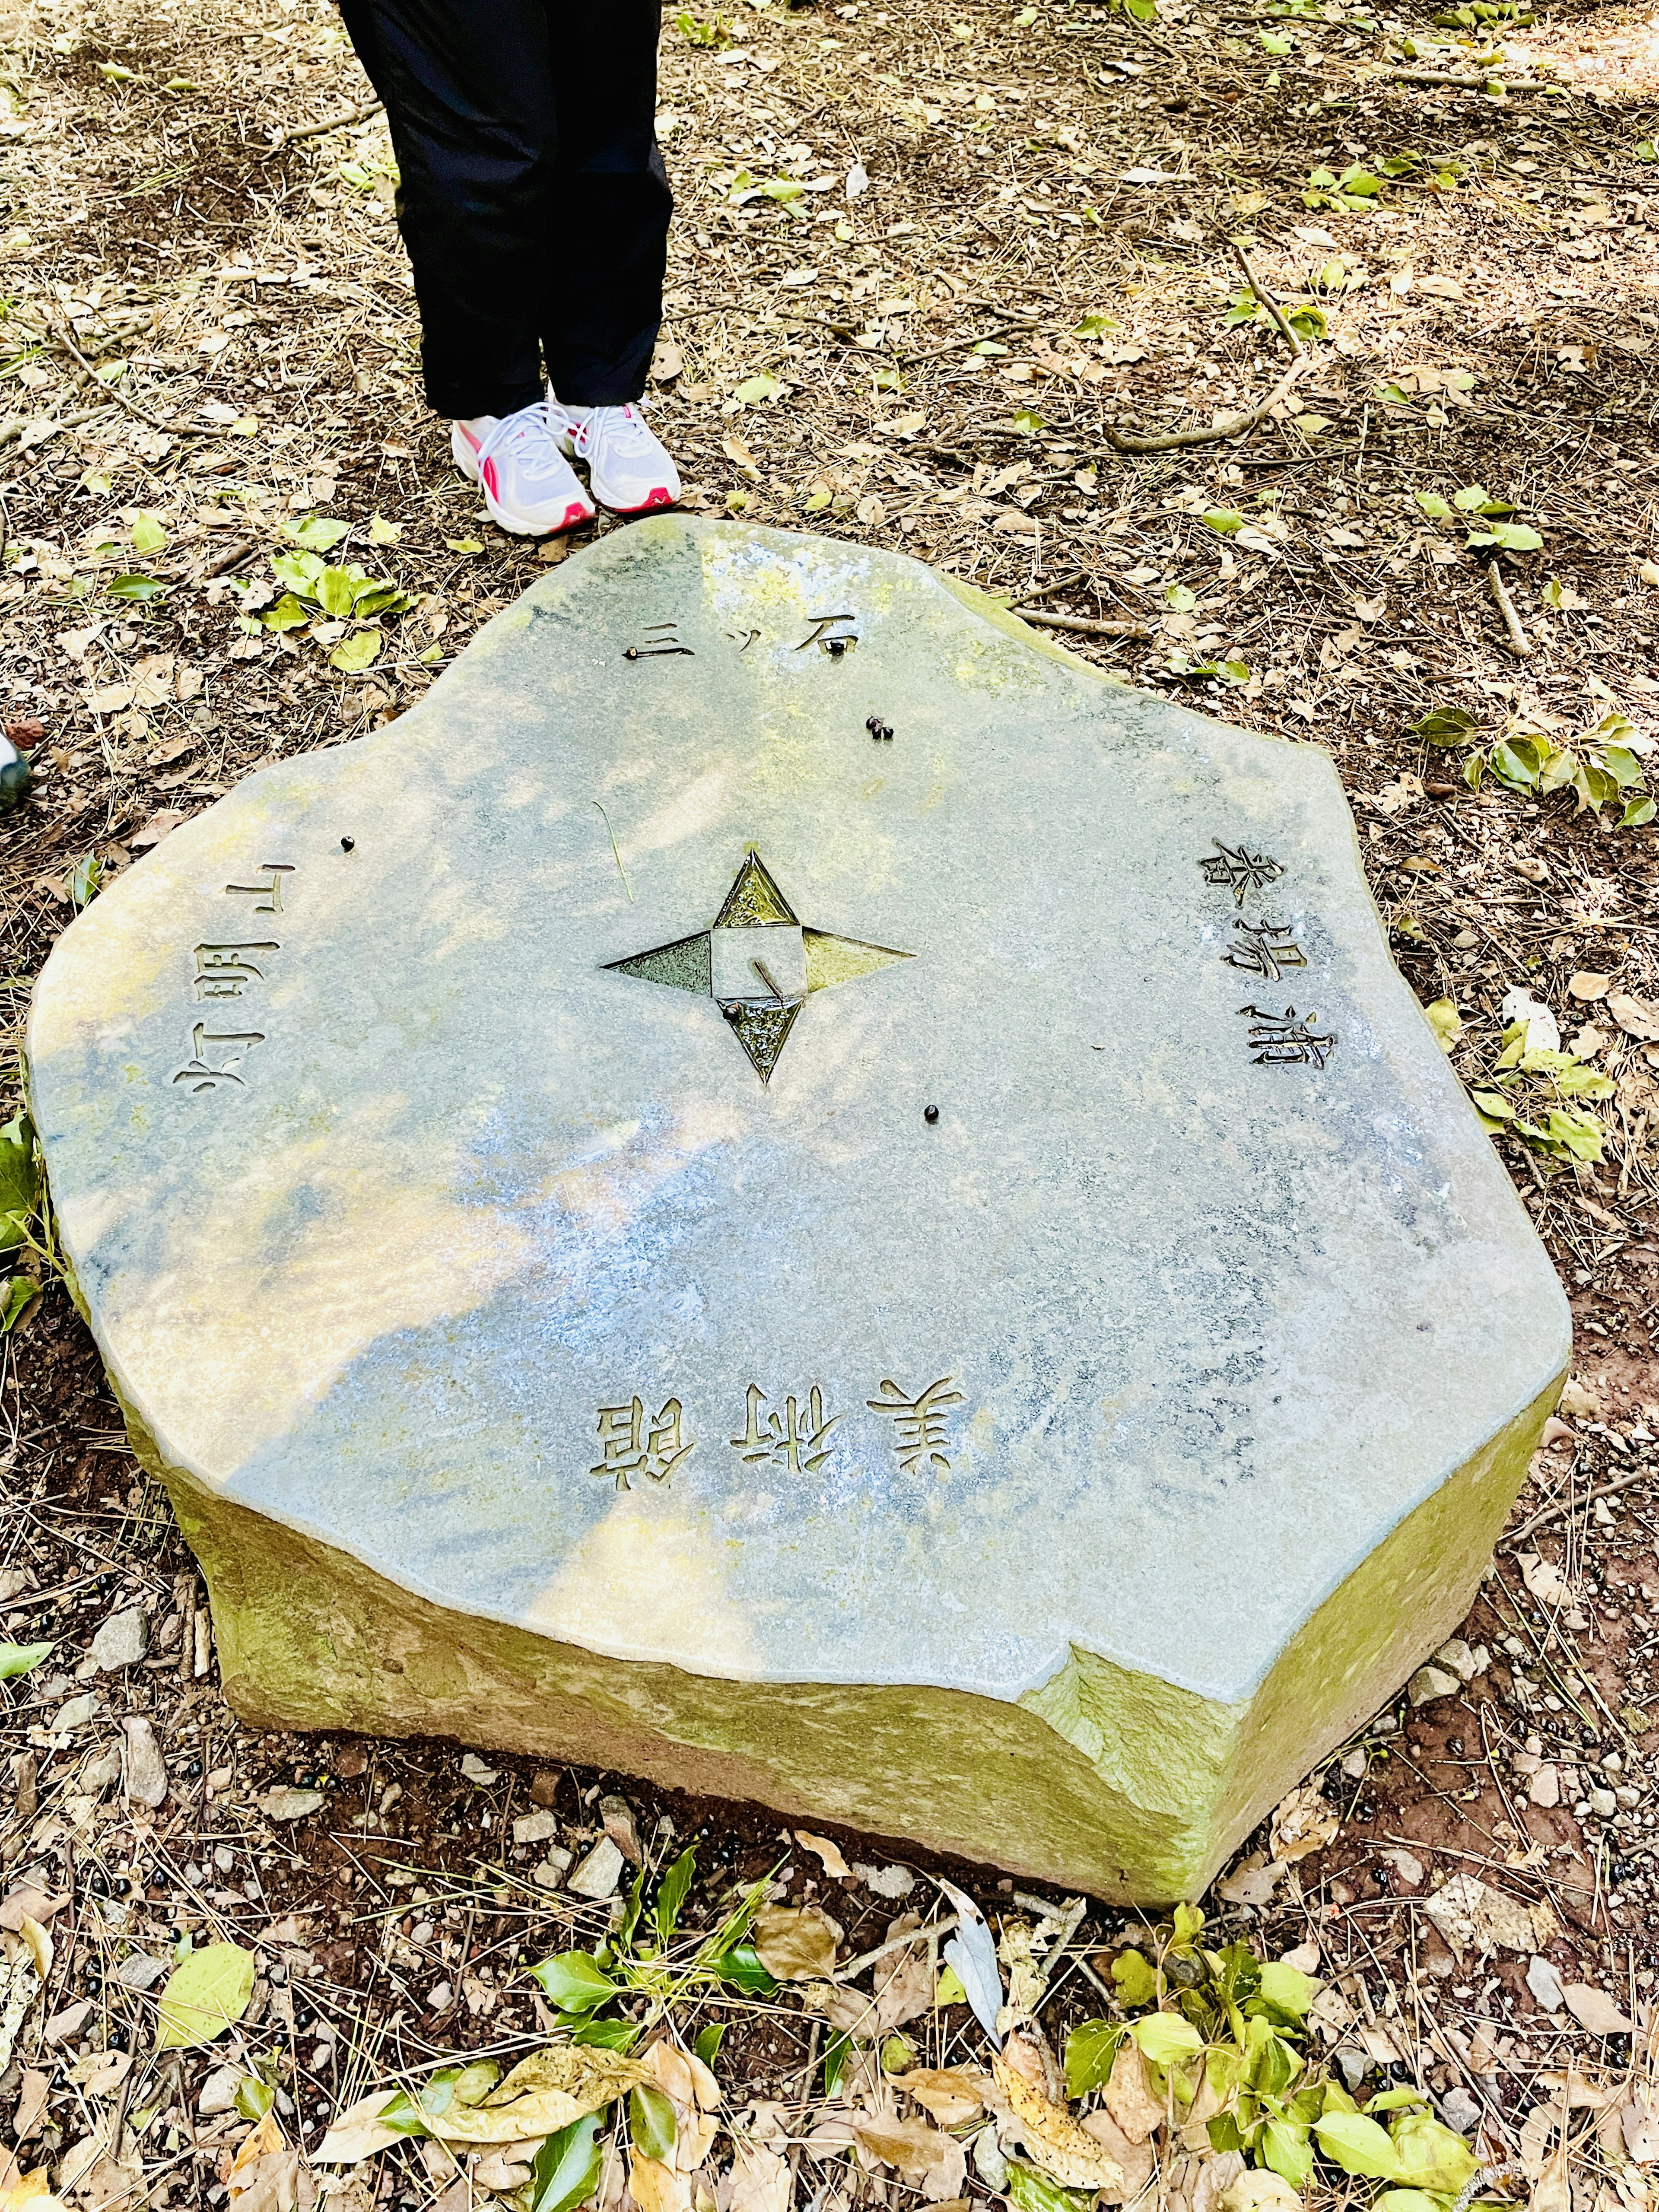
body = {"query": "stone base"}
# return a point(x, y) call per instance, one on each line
point(1105, 1780)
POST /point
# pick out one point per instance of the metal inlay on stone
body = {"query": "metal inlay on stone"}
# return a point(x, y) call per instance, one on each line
point(1036, 1401)
point(758, 962)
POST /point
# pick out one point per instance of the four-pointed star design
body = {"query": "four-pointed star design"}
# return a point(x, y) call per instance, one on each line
point(759, 963)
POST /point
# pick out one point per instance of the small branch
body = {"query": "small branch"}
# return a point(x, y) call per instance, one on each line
point(298, 130)
point(1236, 425)
point(240, 552)
point(12, 431)
point(1267, 300)
point(61, 336)
point(1047, 590)
point(1519, 641)
point(1472, 84)
point(1572, 1505)
point(930, 1934)
point(1085, 623)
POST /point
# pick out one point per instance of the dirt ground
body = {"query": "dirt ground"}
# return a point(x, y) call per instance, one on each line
point(928, 267)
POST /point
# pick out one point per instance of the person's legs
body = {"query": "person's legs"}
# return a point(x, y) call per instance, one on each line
point(469, 92)
point(607, 246)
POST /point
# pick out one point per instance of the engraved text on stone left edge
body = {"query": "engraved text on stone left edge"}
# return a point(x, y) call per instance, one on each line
point(227, 968)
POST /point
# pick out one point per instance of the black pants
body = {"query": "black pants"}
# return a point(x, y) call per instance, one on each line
point(533, 199)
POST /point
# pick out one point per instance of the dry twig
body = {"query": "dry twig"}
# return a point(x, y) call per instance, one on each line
point(1267, 300)
point(1518, 639)
point(1236, 425)
point(296, 131)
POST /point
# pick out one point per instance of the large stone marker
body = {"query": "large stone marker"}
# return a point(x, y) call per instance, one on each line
point(780, 1187)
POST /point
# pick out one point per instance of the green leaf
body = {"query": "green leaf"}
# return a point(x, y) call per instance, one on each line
point(382, 532)
point(1090, 2049)
point(301, 572)
point(287, 614)
point(83, 880)
point(149, 531)
point(1275, 42)
point(1164, 2037)
point(1622, 765)
point(203, 1996)
point(254, 2098)
point(652, 2126)
point(576, 1981)
point(135, 587)
point(19, 1658)
point(1394, 2100)
point(1409, 2200)
point(1359, 2145)
point(1471, 497)
point(1445, 725)
point(567, 2167)
point(987, 346)
point(1285, 2147)
point(672, 1892)
point(948, 1990)
point(20, 1181)
point(377, 599)
point(1183, 600)
point(1136, 1982)
point(741, 1965)
point(1639, 811)
point(319, 533)
point(464, 544)
point(1030, 2189)
point(1512, 537)
point(1447, 1024)
point(758, 391)
point(337, 592)
point(1432, 2157)
point(1223, 520)
point(1286, 1988)
point(1091, 326)
point(1309, 322)
point(708, 2041)
point(604, 2034)
point(355, 654)
point(836, 2054)
point(1432, 504)
point(19, 1296)
point(1028, 422)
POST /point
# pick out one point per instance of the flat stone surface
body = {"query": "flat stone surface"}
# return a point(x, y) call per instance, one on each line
point(626, 1153)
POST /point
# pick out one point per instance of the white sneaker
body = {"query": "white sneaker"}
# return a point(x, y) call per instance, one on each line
point(628, 466)
point(528, 485)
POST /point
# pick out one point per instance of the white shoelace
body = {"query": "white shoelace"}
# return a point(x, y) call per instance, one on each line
point(624, 428)
point(524, 432)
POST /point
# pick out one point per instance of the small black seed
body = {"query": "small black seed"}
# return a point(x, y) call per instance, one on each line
point(930, 1113)
point(347, 844)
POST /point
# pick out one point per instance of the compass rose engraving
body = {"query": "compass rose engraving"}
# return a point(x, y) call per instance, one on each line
point(758, 962)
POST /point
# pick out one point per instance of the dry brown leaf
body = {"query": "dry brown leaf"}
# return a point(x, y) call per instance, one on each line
point(1053, 2138)
point(796, 1943)
point(1129, 2098)
point(547, 2090)
point(1594, 2009)
point(828, 1851)
point(918, 2152)
point(356, 2133)
point(1259, 2190)
point(1304, 1822)
point(658, 2188)
point(1639, 2125)
point(1138, 2160)
point(904, 1988)
point(950, 2094)
point(1471, 1916)
point(1638, 1018)
point(760, 2181)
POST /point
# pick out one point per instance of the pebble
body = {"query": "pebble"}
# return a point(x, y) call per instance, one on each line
point(475, 1771)
point(534, 1827)
point(599, 1872)
point(1430, 1682)
point(287, 1803)
point(75, 1712)
point(1459, 2110)
point(103, 1772)
point(617, 1815)
point(122, 1640)
point(139, 1971)
point(146, 1769)
point(551, 1870)
point(1604, 1802)
point(1545, 1984)
point(219, 2090)
point(886, 1881)
point(545, 1787)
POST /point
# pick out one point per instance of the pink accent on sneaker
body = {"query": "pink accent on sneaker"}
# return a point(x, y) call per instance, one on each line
point(488, 471)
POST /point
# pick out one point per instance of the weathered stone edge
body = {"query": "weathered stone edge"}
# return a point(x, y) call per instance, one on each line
point(310, 1638)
